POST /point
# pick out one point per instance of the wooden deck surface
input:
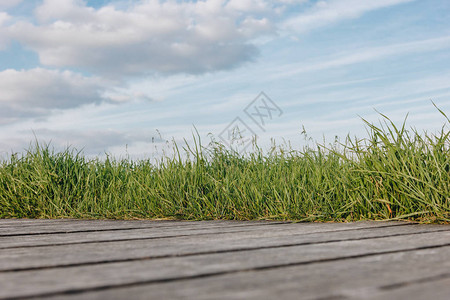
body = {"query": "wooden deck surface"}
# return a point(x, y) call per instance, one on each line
point(93, 259)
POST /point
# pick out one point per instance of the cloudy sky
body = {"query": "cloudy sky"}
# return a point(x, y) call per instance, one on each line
point(125, 76)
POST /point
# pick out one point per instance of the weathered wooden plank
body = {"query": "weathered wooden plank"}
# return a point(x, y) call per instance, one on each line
point(45, 222)
point(422, 289)
point(276, 229)
point(359, 278)
point(48, 226)
point(51, 256)
point(135, 234)
point(97, 225)
point(4, 222)
point(337, 269)
point(13, 223)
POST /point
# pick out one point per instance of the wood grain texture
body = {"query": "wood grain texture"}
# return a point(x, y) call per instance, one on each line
point(94, 259)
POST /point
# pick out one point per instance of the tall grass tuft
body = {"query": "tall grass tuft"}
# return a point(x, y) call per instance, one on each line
point(395, 173)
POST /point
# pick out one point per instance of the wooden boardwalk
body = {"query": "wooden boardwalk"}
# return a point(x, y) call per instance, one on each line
point(92, 259)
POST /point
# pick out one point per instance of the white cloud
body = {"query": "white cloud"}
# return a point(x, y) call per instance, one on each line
point(248, 5)
point(9, 3)
point(4, 17)
point(36, 92)
point(167, 37)
point(148, 37)
point(292, 1)
point(119, 96)
point(327, 12)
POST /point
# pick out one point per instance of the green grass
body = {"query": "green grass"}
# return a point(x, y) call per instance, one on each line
point(394, 174)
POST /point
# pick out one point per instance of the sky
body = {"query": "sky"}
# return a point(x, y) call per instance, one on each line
point(127, 77)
